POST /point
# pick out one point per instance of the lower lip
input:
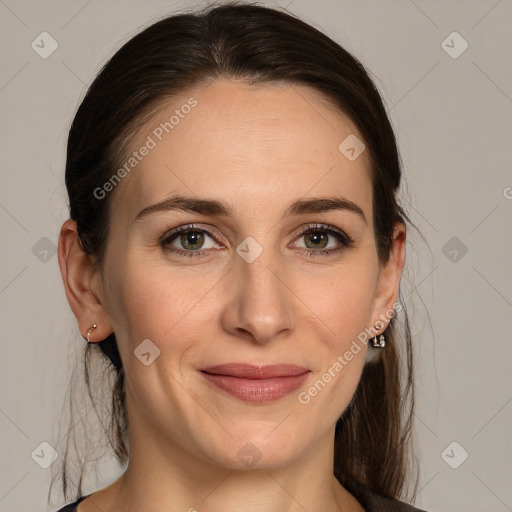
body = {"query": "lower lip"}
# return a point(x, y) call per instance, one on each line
point(257, 390)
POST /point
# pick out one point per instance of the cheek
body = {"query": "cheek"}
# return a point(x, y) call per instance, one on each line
point(344, 312)
point(343, 300)
point(172, 308)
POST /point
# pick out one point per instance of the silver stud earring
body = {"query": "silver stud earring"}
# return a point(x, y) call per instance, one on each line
point(381, 342)
point(89, 333)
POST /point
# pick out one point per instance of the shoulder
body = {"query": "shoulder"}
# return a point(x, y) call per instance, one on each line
point(71, 507)
point(382, 504)
point(373, 502)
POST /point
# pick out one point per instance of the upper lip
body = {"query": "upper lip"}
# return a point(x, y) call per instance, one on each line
point(250, 371)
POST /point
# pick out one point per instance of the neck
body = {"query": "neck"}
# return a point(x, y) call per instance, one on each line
point(163, 476)
point(170, 479)
point(163, 480)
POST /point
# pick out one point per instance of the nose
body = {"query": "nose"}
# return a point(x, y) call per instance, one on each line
point(260, 300)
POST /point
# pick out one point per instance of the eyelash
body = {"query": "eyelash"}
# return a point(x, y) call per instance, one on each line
point(344, 240)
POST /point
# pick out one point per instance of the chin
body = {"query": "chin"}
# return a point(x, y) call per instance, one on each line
point(254, 451)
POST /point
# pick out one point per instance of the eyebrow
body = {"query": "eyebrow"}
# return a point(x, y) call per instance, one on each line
point(218, 208)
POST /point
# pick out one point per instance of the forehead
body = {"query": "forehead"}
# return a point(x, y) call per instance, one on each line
point(264, 143)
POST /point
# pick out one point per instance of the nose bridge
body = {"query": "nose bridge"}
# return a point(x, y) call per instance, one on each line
point(261, 299)
point(259, 276)
point(258, 269)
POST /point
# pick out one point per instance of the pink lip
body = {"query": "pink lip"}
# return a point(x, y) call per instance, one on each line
point(256, 383)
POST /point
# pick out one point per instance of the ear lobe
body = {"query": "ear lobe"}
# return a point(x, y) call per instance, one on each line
point(81, 282)
point(388, 286)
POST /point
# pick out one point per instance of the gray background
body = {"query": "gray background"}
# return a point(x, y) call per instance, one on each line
point(453, 122)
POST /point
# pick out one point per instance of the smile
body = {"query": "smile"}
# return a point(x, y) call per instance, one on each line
point(260, 384)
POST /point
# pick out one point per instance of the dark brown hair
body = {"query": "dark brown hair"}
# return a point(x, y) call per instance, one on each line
point(258, 45)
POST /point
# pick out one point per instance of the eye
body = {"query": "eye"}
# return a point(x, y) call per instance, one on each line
point(192, 241)
point(321, 239)
point(189, 241)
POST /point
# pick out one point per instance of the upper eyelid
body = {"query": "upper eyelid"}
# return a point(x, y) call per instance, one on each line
point(187, 227)
point(320, 226)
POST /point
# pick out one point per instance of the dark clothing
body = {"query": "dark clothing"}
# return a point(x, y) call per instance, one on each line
point(72, 506)
point(370, 501)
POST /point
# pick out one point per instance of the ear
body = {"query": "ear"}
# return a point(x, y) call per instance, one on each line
point(389, 280)
point(83, 284)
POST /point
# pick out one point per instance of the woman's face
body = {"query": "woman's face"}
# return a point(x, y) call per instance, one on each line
point(245, 286)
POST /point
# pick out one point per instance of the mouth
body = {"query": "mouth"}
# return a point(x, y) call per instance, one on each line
point(260, 384)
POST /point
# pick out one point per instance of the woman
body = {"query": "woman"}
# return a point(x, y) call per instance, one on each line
point(235, 248)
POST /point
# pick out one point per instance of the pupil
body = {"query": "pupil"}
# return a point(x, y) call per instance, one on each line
point(191, 238)
point(316, 237)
